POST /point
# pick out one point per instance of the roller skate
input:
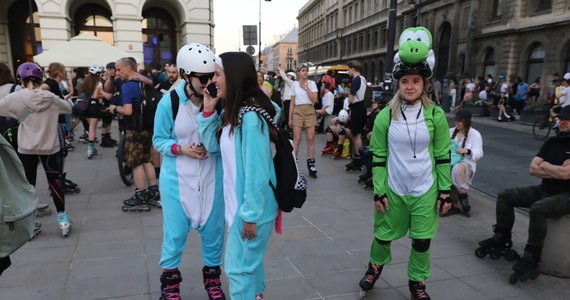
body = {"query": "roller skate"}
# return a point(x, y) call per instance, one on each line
point(69, 187)
point(418, 290)
point(338, 152)
point(312, 168)
point(328, 149)
point(498, 245)
point(212, 282)
point(69, 146)
point(106, 141)
point(64, 223)
point(369, 279)
point(138, 202)
point(527, 267)
point(464, 201)
point(42, 210)
point(369, 184)
point(91, 151)
point(355, 164)
point(170, 285)
point(37, 230)
point(84, 137)
point(154, 196)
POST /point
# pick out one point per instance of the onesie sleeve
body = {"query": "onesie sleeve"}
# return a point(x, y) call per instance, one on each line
point(441, 151)
point(379, 150)
point(208, 128)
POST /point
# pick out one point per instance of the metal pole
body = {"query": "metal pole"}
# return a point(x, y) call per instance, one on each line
point(389, 62)
point(259, 50)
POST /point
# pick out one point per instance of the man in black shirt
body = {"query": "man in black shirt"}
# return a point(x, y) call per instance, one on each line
point(550, 199)
point(173, 80)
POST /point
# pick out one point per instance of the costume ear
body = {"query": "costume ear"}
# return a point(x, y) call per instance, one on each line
point(397, 58)
point(431, 59)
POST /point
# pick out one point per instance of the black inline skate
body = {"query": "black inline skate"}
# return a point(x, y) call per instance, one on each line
point(68, 186)
point(212, 283)
point(527, 267)
point(418, 290)
point(154, 196)
point(170, 285)
point(369, 279)
point(464, 201)
point(498, 245)
point(138, 202)
point(355, 164)
point(312, 168)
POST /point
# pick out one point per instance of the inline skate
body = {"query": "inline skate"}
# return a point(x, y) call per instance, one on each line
point(355, 164)
point(212, 282)
point(312, 168)
point(138, 202)
point(170, 285)
point(527, 267)
point(154, 196)
point(69, 187)
point(91, 151)
point(369, 279)
point(498, 245)
point(42, 210)
point(37, 230)
point(418, 290)
point(328, 149)
point(338, 152)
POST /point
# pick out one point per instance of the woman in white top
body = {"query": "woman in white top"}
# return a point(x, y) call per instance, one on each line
point(466, 150)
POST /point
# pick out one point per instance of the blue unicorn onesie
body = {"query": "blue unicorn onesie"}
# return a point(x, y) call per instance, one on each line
point(248, 166)
point(191, 189)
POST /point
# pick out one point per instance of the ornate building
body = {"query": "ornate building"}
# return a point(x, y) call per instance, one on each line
point(527, 38)
point(153, 29)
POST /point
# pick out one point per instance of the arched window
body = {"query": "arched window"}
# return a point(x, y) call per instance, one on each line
point(96, 20)
point(443, 51)
point(461, 65)
point(489, 64)
point(24, 45)
point(159, 37)
point(535, 62)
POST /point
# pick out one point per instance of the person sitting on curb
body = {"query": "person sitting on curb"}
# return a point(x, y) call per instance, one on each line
point(550, 199)
point(466, 150)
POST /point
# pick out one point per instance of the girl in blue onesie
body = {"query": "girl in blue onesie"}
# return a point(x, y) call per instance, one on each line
point(190, 179)
point(251, 207)
point(410, 146)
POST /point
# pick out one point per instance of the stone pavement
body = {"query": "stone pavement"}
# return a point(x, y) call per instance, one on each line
point(322, 253)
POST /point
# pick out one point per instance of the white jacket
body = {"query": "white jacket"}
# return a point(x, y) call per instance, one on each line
point(475, 144)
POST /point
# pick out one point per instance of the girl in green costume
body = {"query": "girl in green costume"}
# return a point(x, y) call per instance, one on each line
point(411, 173)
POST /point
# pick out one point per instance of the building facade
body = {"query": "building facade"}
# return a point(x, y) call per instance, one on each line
point(153, 29)
point(526, 38)
point(283, 53)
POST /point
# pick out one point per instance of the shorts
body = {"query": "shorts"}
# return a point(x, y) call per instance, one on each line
point(137, 147)
point(357, 117)
point(94, 109)
point(304, 116)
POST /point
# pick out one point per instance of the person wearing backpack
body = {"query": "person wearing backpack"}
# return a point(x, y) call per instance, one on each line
point(92, 86)
point(191, 181)
point(250, 203)
point(357, 113)
point(8, 126)
point(410, 145)
point(138, 138)
point(38, 111)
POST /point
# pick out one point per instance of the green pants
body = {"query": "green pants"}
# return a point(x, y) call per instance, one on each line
point(419, 216)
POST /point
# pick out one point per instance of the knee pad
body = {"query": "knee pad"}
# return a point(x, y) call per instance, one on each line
point(381, 242)
point(328, 129)
point(341, 131)
point(421, 245)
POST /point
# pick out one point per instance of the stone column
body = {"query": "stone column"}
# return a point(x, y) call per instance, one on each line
point(128, 36)
point(55, 29)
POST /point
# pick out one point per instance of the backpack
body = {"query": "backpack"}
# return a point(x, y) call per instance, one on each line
point(9, 127)
point(81, 105)
point(150, 98)
point(18, 202)
point(291, 188)
point(368, 95)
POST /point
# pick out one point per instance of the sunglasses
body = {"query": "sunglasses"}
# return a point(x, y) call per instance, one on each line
point(203, 78)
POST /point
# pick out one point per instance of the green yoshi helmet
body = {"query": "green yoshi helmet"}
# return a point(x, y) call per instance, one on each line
point(415, 55)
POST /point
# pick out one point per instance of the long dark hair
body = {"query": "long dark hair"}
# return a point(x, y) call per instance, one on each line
point(6, 75)
point(241, 87)
point(467, 124)
point(89, 85)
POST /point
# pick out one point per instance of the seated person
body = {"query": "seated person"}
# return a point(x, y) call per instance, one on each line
point(550, 199)
point(466, 150)
point(366, 156)
point(485, 97)
point(324, 113)
point(503, 116)
point(337, 130)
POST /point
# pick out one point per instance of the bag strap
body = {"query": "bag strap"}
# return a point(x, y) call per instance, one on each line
point(260, 111)
point(13, 88)
point(175, 101)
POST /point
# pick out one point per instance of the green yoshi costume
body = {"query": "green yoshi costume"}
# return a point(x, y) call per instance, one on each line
point(410, 145)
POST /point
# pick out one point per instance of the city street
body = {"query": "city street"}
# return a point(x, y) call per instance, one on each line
point(322, 253)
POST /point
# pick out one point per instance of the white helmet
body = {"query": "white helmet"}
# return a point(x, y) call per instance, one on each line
point(195, 58)
point(343, 116)
point(94, 69)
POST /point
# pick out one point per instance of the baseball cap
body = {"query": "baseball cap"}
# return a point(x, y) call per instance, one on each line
point(564, 113)
point(567, 76)
point(110, 65)
point(462, 115)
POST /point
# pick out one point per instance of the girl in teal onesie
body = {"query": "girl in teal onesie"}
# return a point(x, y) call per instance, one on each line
point(410, 145)
point(247, 163)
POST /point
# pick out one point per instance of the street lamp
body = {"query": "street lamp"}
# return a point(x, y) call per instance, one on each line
point(259, 51)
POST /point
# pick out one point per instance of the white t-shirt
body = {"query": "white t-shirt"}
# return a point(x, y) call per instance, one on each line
point(328, 100)
point(300, 94)
point(483, 95)
point(564, 96)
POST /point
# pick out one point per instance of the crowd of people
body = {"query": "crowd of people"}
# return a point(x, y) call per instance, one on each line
point(194, 157)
